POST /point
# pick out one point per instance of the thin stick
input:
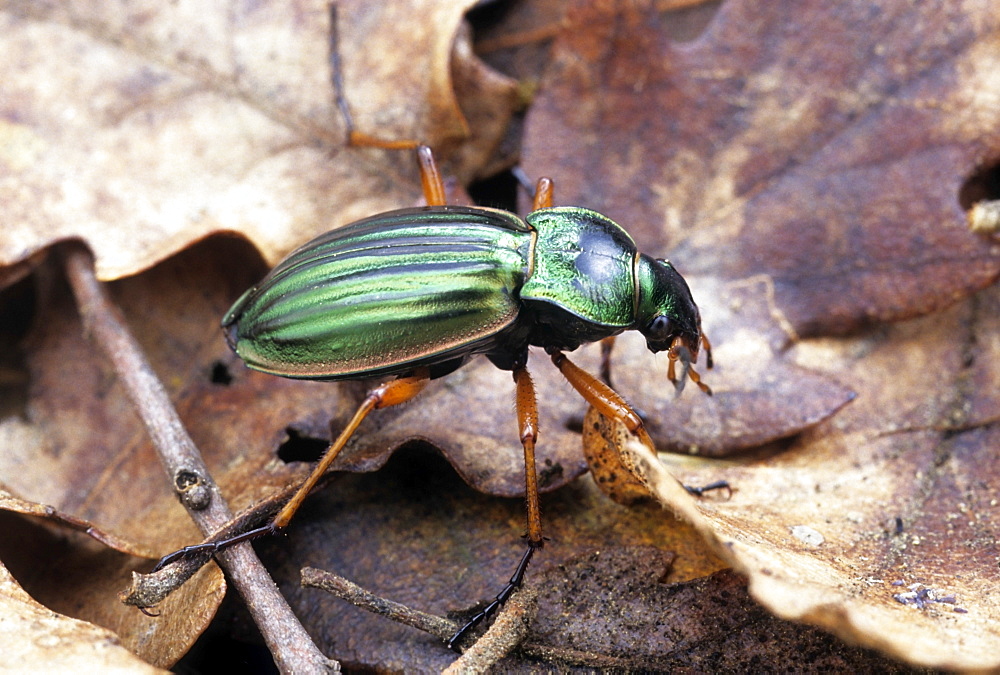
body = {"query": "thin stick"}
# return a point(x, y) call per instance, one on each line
point(291, 647)
point(519, 611)
point(359, 597)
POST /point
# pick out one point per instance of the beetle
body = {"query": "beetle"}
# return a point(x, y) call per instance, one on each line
point(415, 293)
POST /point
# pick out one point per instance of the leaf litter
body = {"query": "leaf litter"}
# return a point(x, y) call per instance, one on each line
point(800, 227)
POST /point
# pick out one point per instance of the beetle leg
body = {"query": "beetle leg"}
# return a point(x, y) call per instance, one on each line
point(543, 194)
point(700, 490)
point(354, 137)
point(527, 421)
point(607, 345)
point(430, 177)
point(610, 404)
point(601, 396)
point(707, 346)
point(388, 394)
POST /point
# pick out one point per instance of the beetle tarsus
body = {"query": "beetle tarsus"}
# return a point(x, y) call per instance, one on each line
point(212, 547)
point(515, 582)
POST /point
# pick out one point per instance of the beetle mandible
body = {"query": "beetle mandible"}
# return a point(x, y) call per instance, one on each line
point(414, 293)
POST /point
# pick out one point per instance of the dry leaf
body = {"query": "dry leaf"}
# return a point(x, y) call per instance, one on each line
point(145, 127)
point(828, 159)
point(612, 604)
point(821, 170)
point(37, 639)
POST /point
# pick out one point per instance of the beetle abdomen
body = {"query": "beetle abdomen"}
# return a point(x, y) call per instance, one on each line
point(387, 294)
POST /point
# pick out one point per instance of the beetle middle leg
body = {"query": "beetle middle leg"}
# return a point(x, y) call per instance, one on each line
point(527, 419)
point(386, 395)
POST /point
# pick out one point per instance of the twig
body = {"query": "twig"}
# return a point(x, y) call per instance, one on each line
point(291, 647)
point(359, 597)
point(507, 632)
point(514, 611)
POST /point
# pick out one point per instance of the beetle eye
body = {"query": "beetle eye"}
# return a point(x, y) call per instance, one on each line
point(661, 327)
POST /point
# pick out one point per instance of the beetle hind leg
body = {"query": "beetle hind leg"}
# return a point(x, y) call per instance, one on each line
point(388, 394)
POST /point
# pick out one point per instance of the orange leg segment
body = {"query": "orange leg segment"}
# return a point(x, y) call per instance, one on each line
point(430, 177)
point(600, 395)
point(543, 194)
point(527, 420)
point(389, 394)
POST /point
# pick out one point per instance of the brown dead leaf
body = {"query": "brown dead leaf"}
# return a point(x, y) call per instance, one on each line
point(37, 639)
point(143, 128)
point(829, 158)
point(819, 169)
point(833, 529)
point(613, 603)
point(78, 578)
point(602, 440)
point(10, 503)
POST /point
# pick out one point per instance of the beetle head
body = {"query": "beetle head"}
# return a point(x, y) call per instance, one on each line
point(669, 320)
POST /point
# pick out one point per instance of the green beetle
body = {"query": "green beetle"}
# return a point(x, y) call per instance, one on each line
point(432, 286)
point(415, 293)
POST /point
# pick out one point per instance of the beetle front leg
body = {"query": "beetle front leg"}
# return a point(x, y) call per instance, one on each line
point(611, 405)
point(388, 394)
point(601, 396)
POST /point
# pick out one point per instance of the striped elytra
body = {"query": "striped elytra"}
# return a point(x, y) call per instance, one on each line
point(393, 291)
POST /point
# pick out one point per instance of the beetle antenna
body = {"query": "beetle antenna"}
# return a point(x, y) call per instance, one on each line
point(521, 176)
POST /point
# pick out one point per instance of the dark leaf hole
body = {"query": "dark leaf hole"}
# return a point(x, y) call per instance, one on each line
point(221, 374)
point(301, 448)
point(499, 191)
point(982, 185)
point(17, 312)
